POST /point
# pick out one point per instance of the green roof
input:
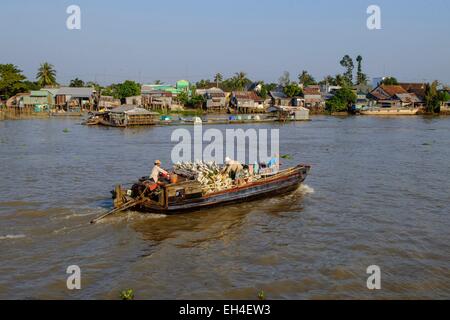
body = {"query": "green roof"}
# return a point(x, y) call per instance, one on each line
point(39, 93)
point(182, 84)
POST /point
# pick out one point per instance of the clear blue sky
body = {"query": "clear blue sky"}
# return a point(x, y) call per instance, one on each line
point(168, 40)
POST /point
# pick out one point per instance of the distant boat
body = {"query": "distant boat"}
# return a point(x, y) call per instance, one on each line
point(123, 116)
point(389, 111)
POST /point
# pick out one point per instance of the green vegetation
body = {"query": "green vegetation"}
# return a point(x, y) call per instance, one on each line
point(218, 78)
point(265, 89)
point(30, 85)
point(347, 63)
point(76, 83)
point(240, 81)
point(191, 99)
point(434, 97)
point(306, 79)
point(46, 75)
point(328, 80)
point(292, 90)
point(343, 99)
point(123, 90)
point(236, 83)
point(389, 81)
point(361, 78)
point(127, 89)
point(287, 157)
point(203, 84)
point(261, 295)
point(11, 81)
point(127, 294)
point(338, 80)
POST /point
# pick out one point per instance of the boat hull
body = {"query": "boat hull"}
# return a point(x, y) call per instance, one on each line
point(390, 112)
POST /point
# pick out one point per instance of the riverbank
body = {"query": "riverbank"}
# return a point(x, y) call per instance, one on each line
point(18, 114)
point(14, 114)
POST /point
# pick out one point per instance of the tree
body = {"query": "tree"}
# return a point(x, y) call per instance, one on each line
point(389, 81)
point(158, 82)
point(361, 78)
point(285, 79)
point(292, 90)
point(126, 89)
point(94, 85)
point(192, 99)
point(202, 84)
point(31, 85)
point(347, 63)
point(240, 80)
point(341, 81)
point(196, 100)
point(270, 86)
point(342, 100)
point(11, 81)
point(108, 91)
point(76, 83)
point(328, 80)
point(263, 92)
point(306, 79)
point(218, 78)
point(434, 97)
point(46, 75)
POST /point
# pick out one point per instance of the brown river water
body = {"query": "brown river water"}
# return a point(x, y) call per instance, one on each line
point(378, 194)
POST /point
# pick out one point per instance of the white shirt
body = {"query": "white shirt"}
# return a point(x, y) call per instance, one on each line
point(155, 173)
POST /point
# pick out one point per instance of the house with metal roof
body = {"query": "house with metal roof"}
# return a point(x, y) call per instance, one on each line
point(246, 102)
point(419, 89)
point(215, 99)
point(157, 100)
point(39, 100)
point(314, 100)
point(74, 99)
point(394, 96)
point(279, 98)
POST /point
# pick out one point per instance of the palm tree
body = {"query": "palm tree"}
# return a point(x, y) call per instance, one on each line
point(46, 75)
point(218, 78)
point(361, 78)
point(76, 83)
point(306, 79)
point(240, 80)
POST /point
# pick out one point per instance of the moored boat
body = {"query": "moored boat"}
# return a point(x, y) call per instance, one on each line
point(389, 111)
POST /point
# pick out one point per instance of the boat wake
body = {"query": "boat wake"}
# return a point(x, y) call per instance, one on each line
point(305, 189)
point(12, 236)
point(145, 216)
point(131, 216)
point(79, 215)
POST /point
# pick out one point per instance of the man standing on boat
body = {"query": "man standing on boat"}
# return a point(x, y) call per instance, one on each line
point(232, 167)
point(156, 171)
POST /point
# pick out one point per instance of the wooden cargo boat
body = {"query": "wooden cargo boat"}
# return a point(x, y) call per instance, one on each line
point(188, 195)
point(389, 111)
point(123, 116)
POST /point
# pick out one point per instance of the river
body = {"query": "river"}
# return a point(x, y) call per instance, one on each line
point(378, 194)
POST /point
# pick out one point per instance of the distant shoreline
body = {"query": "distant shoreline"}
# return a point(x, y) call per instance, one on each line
point(5, 115)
